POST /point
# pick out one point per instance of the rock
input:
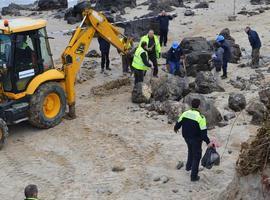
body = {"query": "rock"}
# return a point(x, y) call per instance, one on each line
point(175, 191)
point(115, 6)
point(93, 54)
point(206, 83)
point(52, 4)
point(258, 111)
point(237, 102)
point(242, 65)
point(202, 5)
point(159, 5)
point(118, 169)
point(207, 108)
point(222, 124)
point(164, 179)
point(72, 20)
point(156, 179)
point(141, 93)
point(265, 96)
point(198, 53)
point(235, 48)
point(104, 190)
point(180, 165)
point(189, 13)
point(229, 116)
point(12, 10)
point(139, 27)
point(168, 87)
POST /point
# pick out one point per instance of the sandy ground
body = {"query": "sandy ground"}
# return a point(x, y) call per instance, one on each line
point(74, 160)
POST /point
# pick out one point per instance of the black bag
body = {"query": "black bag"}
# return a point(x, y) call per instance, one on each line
point(210, 158)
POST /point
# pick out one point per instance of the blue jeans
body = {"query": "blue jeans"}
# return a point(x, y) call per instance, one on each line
point(174, 67)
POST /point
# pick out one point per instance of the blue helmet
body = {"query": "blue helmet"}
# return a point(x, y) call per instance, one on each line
point(175, 45)
point(220, 38)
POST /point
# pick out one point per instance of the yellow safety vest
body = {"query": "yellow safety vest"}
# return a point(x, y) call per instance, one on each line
point(158, 48)
point(195, 116)
point(137, 60)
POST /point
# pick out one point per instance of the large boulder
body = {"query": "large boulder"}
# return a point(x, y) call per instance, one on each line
point(265, 96)
point(159, 5)
point(141, 93)
point(170, 108)
point(52, 4)
point(202, 5)
point(198, 53)
point(237, 102)
point(235, 48)
point(207, 108)
point(116, 5)
point(169, 87)
point(206, 83)
point(258, 111)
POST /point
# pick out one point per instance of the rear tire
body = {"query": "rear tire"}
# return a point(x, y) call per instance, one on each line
point(47, 106)
point(3, 133)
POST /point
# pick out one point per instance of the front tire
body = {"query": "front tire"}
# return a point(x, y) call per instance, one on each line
point(3, 133)
point(47, 106)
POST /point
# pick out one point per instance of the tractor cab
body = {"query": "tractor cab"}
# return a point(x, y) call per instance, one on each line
point(24, 53)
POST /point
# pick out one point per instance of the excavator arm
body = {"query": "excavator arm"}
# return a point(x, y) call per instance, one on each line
point(73, 56)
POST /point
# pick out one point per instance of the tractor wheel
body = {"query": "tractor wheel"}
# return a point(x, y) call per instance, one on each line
point(47, 106)
point(3, 133)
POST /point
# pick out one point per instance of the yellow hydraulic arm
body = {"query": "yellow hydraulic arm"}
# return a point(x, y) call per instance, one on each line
point(73, 56)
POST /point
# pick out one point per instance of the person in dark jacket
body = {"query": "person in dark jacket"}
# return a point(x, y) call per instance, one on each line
point(226, 55)
point(163, 20)
point(104, 47)
point(140, 62)
point(256, 44)
point(173, 58)
point(31, 192)
point(194, 131)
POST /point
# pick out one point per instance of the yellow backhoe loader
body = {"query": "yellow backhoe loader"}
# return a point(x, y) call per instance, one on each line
point(31, 87)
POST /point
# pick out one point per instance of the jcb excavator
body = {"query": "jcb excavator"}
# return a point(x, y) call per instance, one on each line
point(31, 87)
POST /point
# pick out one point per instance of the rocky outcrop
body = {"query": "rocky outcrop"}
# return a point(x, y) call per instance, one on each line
point(206, 83)
point(235, 48)
point(198, 53)
point(258, 2)
point(207, 108)
point(14, 9)
point(141, 93)
point(237, 102)
point(52, 4)
point(159, 5)
point(265, 96)
point(169, 87)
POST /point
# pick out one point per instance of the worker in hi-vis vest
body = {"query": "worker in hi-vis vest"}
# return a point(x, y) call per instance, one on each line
point(140, 62)
point(153, 49)
point(194, 131)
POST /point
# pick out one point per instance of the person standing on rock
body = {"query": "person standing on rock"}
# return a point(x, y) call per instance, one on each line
point(140, 62)
point(163, 19)
point(226, 55)
point(104, 47)
point(256, 44)
point(173, 58)
point(31, 192)
point(153, 49)
point(194, 131)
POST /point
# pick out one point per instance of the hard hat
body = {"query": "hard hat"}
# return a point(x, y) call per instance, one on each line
point(220, 38)
point(175, 45)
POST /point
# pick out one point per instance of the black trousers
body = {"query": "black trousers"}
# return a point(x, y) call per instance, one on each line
point(126, 62)
point(139, 75)
point(163, 37)
point(105, 60)
point(194, 156)
point(225, 67)
point(153, 59)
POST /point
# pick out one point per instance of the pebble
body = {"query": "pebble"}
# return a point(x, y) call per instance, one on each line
point(229, 151)
point(164, 179)
point(118, 169)
point(104, 191)
point(156, 179)
point(175, 191)
point(180, 165)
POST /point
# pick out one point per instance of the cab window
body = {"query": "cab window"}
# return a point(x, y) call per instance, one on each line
point(45, 50)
